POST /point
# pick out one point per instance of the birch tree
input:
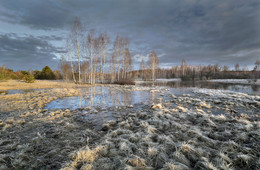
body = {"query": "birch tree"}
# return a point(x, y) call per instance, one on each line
point(128, 64)
point(153, 63)
point(78, 34)
point(96, 54)
point(90, 45)
point(112, 68)
point(84, 70)
point(69, 49)
point(124, 42)
point(116, 55)
point(65, 68)
point(104, 40)
point(183, 67)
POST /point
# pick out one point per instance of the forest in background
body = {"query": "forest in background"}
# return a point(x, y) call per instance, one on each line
point(184, 71)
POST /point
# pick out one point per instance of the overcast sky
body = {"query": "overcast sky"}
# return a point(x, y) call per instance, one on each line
point(33, 32)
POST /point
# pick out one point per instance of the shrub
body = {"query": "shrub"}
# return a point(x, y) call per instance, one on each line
point(29, 78)
point(4, 77)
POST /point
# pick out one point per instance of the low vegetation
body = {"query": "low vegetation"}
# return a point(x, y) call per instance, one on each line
point(29, 78)
point(177, 132)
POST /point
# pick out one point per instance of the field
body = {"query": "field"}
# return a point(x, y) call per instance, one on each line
point(205, 129)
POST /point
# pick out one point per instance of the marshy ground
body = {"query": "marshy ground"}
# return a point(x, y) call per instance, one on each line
point(203, 129)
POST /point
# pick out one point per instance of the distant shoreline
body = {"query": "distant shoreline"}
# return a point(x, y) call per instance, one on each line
point(236, 81)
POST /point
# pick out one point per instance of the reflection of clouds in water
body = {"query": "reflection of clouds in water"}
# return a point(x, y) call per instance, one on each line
point(104, 97)
point(116, 96)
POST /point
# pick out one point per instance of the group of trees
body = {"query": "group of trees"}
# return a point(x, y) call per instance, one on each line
point(87, 59)
point(149, 71)
point(30, 75)
point(46, 74)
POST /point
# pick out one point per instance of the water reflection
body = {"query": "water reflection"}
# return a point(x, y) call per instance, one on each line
point(19, 91)
point(109, 96)
point(104, 97)
point(255, 88)
point(250, 89)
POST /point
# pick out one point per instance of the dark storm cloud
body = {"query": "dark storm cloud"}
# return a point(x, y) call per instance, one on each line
point(36, 14)
point(27, 51)
point(200, 31)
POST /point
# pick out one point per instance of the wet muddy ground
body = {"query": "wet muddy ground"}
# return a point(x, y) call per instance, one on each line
point(155, 128)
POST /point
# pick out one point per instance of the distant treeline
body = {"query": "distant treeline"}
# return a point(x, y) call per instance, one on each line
point(199, 72)
point(185, 72)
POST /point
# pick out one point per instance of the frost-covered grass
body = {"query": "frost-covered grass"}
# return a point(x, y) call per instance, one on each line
point(178, 132)
point(168, 137)
point(34, 100)
point(231, 97)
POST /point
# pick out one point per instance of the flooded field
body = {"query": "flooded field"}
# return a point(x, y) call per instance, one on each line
point(18, 91)
point(103, 97)
point(169, 125)
point(109, 96)
point(244, 88)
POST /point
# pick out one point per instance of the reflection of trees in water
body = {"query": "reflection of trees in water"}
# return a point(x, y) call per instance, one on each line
point(113, 96)
point(127, 98)
point(27, 90)
point(234, 88)
point(255, 88)
point(143, 95)
point(94, 96)
point(225, 86)
point(171, 84)
point(152, 97)
point(103, 100)
point(80, 101)
point(106, 96)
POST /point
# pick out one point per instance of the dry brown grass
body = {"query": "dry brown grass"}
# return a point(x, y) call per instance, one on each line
point(38, 84)
point(35, 99)
point(137, 162)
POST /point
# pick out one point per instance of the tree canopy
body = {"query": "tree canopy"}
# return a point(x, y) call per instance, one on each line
point(47, 73)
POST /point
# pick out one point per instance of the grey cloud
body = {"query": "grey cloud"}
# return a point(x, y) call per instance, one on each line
point(26, 52)
point(200, 31)
point(35, 14)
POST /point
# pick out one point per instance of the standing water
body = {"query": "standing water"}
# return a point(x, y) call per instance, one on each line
point(107, 96)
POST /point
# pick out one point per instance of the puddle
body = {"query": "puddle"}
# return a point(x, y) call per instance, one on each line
point(104, 97)
point(18, 91)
